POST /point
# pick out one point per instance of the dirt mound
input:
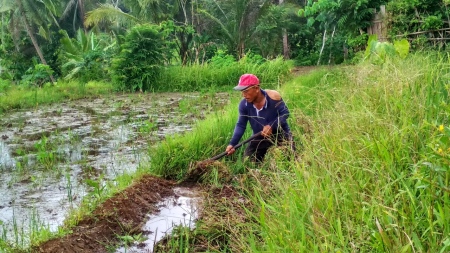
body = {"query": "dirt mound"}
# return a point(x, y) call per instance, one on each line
point(122, 214)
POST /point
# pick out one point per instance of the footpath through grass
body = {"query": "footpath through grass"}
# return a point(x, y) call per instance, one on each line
point(373, 168)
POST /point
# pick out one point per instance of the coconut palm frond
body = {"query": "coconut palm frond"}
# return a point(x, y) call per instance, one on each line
point(110, 14)
point(73, 73)
point(224, 28)
point(7, 6)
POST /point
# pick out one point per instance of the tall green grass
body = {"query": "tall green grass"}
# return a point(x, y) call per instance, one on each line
point(177, 154)
point(374, 172)
point(218, 77)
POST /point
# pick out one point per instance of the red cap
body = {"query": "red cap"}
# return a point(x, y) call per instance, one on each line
point(246, 81)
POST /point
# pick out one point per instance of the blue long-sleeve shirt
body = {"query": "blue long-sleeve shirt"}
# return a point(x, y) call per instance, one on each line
point(274, 113)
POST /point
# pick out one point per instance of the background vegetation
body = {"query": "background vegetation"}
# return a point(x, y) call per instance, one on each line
point(112, 41)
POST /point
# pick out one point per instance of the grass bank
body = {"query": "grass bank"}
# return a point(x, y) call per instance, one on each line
point(373, 172)
point(21, 97)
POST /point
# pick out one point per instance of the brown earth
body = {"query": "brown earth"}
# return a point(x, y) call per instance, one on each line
point(123, 214)
point(126, 212)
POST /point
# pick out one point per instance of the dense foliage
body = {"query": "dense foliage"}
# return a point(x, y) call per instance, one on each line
point(77, 39)
point(141, 59)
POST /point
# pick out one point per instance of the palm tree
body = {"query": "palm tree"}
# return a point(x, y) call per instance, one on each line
point(78, 9)
point(236, 19)
point(115, 17)
point(112, 16)
point(29, 14)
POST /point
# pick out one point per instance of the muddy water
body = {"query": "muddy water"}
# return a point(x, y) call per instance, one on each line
point(50, 156)
point(179, 210)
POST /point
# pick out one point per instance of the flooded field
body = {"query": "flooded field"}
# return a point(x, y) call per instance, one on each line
point(53, 156)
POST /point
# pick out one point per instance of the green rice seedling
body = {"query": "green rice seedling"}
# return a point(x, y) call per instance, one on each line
point(46, 154)
point(180, 240)
point(69, 188)
point(36, 226)
point(148, 126)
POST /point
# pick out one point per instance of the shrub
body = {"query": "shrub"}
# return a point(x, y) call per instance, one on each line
point(141, 59)
point(38, 75)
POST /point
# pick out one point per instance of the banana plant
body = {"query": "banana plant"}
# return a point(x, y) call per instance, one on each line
point(83, 56)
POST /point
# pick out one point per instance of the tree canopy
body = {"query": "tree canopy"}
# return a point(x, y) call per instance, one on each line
point(309, 32)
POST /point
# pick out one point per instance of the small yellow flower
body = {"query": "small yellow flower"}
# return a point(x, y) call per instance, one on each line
point(441, 128)
point(440, 151)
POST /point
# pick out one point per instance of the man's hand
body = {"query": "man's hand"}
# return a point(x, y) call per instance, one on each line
point(267, 131)
point(230, 150)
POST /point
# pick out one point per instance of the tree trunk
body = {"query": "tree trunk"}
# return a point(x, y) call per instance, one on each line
point(331, 44)
point(323, 45)
point(82, 14)
point(2, 39)
point(285, 45)
point(285, 39)
point(33, 39)
point(12, 27)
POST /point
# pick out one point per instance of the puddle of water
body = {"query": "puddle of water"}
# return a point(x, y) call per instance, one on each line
point(181, 210)
point(92, 139)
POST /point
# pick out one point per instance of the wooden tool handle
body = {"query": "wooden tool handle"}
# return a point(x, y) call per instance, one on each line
point(236, 146)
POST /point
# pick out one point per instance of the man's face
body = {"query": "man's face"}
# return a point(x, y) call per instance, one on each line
point(250, 93)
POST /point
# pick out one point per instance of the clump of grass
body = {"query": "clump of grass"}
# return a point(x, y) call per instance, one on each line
point(177, 154)
point(218, 77)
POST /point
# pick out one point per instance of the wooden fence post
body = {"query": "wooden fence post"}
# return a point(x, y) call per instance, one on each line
point(378, 26)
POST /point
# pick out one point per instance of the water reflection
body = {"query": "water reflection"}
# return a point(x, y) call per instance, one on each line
point(181, 210)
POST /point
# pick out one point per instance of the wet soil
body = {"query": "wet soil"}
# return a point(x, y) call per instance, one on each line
point(120, 215)
point(125, 214)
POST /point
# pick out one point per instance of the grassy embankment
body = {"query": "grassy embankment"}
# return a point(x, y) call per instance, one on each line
point(24, 96)
point(373, 174)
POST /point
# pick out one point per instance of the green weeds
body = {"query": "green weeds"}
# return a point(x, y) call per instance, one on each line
point(372, 177)
point(46, 153)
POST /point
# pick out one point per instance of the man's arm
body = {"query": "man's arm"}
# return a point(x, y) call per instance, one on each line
point(241, 124)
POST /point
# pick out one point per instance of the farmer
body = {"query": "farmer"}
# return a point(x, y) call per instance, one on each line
point(266, 112)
